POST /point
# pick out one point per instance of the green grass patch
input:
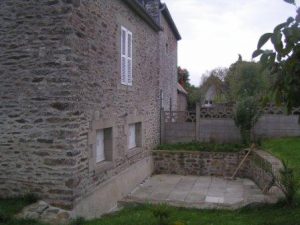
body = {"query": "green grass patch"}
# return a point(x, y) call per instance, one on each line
point(143, 215)
point(287, 149)
point(11, 206)
point(202, 147)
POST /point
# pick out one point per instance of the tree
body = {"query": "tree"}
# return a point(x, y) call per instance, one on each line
point(246, 79)
point(283, 61)
point(216, 79)
point(194, 94)
point(183, 77)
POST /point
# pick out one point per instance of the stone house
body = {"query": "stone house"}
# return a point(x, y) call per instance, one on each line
point(81, 89)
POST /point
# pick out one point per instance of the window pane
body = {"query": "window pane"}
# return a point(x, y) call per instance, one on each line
point(100, 156)
point(124, 72)
point(129, 40)
point(123, 42)
point(131, 136)
point(129, 71)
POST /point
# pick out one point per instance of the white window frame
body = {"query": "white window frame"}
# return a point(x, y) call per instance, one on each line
point(126, 57)
point(100, 150)
point(132, 136)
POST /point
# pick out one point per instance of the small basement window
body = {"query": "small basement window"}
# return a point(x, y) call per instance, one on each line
point(134, 135)
point(104, 145)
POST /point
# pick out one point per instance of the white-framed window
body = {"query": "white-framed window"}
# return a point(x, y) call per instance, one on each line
point(100, 150)
point(126, 57)
point(103, 145)
point(132, 136)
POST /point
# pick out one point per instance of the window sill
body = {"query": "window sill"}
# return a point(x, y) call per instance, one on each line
point(125, 87)
point(134, 151)
point(103, 166)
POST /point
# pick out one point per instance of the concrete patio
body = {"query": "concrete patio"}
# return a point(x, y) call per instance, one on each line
point(200, 192)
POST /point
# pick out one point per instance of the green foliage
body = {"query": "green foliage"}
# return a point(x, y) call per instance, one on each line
point(162, 213)
point(202, 147)
point(246, 79)
point(284, 61)
point(11, 206)
point(194, 93)
point(288, 183)
point(246, 114)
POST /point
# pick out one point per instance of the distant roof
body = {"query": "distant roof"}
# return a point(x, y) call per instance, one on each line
point(142, 12)
point(181, 89)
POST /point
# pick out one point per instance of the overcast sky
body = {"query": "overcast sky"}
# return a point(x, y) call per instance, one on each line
point(214, 32)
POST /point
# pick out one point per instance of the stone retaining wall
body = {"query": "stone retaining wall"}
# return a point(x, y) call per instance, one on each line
point(197, 163)
point(259, 166)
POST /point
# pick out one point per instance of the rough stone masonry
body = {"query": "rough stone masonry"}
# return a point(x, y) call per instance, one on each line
point(60, 82)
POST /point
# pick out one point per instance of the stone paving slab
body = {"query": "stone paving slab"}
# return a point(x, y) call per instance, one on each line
point(200, 192)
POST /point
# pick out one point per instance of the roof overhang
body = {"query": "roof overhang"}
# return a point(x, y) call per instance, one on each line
point(181, 89)
point(140, 10)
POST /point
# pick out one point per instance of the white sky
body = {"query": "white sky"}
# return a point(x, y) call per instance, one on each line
point(214, 32)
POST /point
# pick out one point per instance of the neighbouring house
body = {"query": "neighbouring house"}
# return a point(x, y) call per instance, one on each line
point(182, 98)
point(81, 89)
point(209, 96)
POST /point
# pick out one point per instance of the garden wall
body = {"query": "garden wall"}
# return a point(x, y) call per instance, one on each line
point(259, 166)
point(217, 125)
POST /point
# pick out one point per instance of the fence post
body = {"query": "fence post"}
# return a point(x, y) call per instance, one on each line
point(197, 122)
point(162, 126)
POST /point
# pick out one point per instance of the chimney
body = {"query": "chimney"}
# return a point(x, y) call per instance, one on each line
point(152, 7)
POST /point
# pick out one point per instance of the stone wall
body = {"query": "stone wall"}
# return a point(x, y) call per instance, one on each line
point(39, 115)
point(263, 168)
point(60, 70)
point(259, 166)
point(196, 163)
point(168, 66)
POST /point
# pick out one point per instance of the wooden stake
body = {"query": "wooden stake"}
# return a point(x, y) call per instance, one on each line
point(242, 162)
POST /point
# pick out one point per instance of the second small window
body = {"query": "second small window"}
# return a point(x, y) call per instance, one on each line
point(134, 135)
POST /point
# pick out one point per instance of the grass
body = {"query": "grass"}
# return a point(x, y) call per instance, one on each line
point(197, 146)
point(143, 215)
point(12, 206)
point(287, 149)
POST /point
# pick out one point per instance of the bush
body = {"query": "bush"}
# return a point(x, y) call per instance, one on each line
point(246, 114)
point(162, 213)
point(288, 184)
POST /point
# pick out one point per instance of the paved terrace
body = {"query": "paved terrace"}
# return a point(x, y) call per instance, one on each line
point(199, 192)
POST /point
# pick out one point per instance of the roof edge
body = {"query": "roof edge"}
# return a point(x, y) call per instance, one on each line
point(136, 7)
point(167, 14)
point(181, 89)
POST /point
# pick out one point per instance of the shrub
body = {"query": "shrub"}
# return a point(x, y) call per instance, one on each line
point(288, 184)
point(246, 114)
point(162, 213)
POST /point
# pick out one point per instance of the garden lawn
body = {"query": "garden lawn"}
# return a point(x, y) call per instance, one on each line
point(287, 149)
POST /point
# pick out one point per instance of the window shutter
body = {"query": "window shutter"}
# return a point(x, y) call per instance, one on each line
point(124, 77)
point(129, 58)
point(100, 155)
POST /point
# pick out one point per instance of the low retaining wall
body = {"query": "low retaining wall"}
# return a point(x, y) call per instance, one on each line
point(259, 166)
